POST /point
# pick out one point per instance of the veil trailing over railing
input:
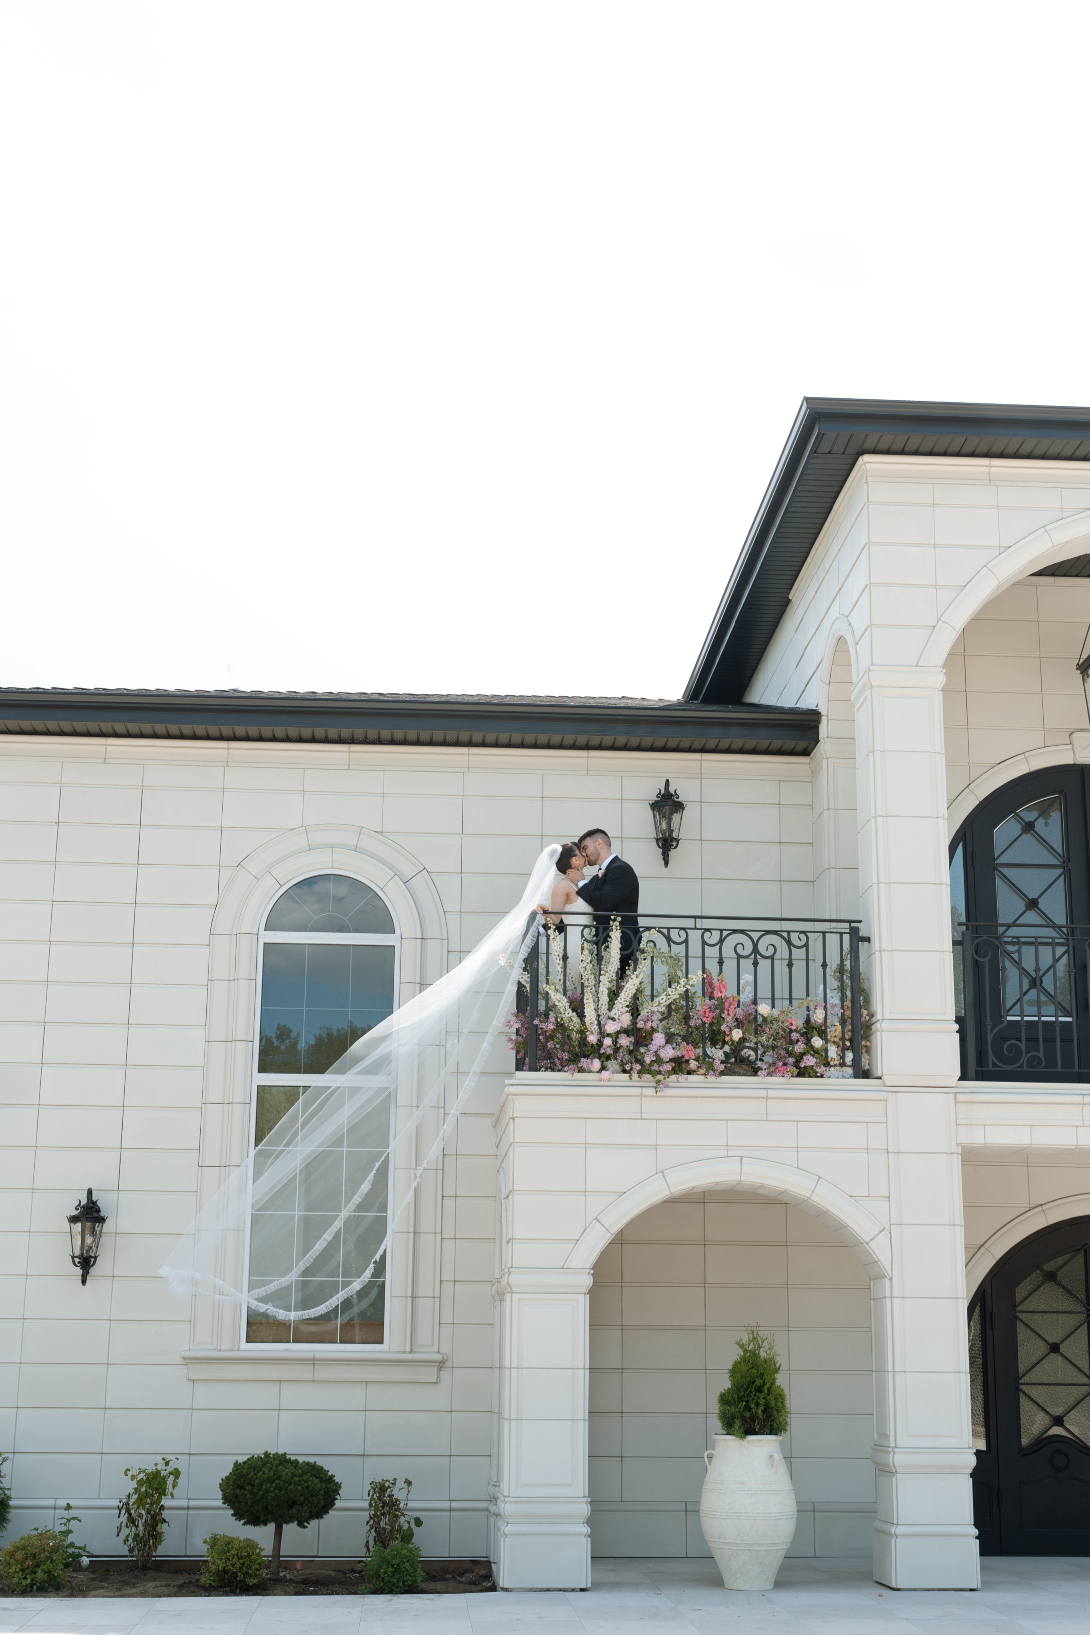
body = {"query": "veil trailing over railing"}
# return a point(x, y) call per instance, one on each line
point(298, 1230)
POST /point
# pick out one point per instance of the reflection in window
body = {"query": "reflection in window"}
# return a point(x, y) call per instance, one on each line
point(287, 1227)
point(957, 924)
point(327, 977)
point(1031, 896)
point(318, 1000)
point(1051, 1318)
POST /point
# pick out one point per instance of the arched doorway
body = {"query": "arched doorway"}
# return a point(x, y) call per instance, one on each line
point(1020, 910)
point(1029, 1366)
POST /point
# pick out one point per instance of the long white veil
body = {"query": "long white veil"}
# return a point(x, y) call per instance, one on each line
point(299, 1232)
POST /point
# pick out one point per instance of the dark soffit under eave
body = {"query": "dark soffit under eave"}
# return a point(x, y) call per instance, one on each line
point(828, 436)
point(444, 721)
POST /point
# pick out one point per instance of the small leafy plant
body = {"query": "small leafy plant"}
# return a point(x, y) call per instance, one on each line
point(37, 1561)
point(5, 1495)
point(231, 1562)
point(272, 1489)
point(142, 1512)
point(388, 1518)
point(395, 1570)
point(754, 1403)
point(74, 1553)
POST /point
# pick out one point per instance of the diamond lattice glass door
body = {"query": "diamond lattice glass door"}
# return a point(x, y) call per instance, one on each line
point(1038, 1355)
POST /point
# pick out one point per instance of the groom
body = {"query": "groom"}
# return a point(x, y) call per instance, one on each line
point(614, 890)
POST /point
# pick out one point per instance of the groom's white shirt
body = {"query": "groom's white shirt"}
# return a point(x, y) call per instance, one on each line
point(603, 866)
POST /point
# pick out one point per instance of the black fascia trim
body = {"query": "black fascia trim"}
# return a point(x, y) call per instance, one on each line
point(279, 713)
point(758, 591)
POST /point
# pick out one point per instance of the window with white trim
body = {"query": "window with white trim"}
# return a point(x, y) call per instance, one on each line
point(328, 974)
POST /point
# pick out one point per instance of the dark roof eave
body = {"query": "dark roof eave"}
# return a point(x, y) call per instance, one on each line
point(826, 440)
point(333, 718)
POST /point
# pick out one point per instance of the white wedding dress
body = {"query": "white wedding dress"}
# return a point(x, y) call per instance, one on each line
point(575, 917)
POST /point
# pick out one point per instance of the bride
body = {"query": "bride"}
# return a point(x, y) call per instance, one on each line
point(566, 909)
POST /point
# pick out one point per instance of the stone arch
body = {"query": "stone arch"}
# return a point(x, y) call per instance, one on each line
point(984, 1260)
point(836, 816)
point(850, 1220)
point(1052, 543)
point(1015, 766)
point(840, 650)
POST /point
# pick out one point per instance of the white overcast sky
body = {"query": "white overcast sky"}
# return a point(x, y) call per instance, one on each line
point(450, 346)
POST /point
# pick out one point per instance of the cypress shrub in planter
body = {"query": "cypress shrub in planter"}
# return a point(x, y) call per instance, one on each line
point(747, 1507)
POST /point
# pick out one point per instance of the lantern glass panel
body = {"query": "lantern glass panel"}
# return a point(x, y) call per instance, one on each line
point(76, 1229)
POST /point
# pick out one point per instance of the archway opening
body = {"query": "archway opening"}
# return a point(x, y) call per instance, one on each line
point(672, 1293)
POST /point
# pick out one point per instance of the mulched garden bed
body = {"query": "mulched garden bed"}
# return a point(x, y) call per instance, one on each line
point(182, 1579)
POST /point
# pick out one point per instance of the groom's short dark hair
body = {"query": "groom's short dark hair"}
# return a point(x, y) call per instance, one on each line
point(588, 834)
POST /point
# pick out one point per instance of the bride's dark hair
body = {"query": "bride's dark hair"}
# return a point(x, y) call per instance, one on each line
point(567, 857)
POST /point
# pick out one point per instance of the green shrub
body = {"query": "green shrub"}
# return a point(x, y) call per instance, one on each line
point(388, 1518)
point(231, 1562)
point(73, 1553)
point(271, 1489)
point(393, 1571)
point(754, 1403)
point(142, 1512)
point(37, 1561)
point(5, 1495)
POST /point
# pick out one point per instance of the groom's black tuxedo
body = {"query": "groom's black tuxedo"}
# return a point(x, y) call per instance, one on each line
point(617, 891)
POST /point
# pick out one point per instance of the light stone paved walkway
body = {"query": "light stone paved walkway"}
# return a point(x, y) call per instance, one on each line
point(1046, 1597)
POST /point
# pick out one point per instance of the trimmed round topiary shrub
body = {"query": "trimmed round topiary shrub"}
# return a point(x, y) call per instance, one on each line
point(273, 1489)
point(231, 1562)
point(37, 1561)
point(393, 1571)
point(754, 1403)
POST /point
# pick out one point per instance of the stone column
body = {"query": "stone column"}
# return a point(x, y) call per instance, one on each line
point(924, 1536)
point(904, 873)
point(540, 1507)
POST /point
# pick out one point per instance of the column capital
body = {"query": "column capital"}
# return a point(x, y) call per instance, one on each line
point(541, 1280)
point(899, 678)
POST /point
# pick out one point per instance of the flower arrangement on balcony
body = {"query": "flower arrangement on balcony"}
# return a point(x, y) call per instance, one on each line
point(693, 1027)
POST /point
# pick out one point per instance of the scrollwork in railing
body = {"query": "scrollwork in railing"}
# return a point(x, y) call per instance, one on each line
point(695, 996)
point(1023, 999)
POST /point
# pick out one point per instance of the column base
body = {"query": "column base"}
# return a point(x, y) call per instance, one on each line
point(540, 1544)
point(926, 1556)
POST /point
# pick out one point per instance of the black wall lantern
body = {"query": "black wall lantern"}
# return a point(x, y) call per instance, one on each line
point(1083, 667)
point(86, 1229)
point(666, 809)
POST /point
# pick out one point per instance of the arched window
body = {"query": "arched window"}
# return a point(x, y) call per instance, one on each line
point(328, 974)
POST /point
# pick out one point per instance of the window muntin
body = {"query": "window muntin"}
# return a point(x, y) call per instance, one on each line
point(329, 958)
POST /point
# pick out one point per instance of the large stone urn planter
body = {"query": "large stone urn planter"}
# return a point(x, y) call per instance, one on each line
point(747, 1510)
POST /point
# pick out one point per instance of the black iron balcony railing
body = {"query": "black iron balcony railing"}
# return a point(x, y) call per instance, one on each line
point(1021, 999)
point(695, 994)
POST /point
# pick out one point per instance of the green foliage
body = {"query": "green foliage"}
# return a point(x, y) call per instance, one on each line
point(388, 1519)
point(5, 1495)
point(273, 1489)
point(73, 1552)
point(231, 1562)
point(754, 1403)
point(395, 1570)
point(283, 1050)
point(270, 1488)
point(142, 1512)
point(37, 1561)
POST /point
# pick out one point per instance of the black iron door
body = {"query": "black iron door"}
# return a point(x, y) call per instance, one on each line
point(1029, 1357)
point(1020, 891)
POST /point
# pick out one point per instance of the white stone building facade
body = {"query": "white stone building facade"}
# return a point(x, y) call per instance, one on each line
point(890, 677)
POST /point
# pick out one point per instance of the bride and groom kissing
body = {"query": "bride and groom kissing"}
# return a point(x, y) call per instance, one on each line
point(613, 892)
